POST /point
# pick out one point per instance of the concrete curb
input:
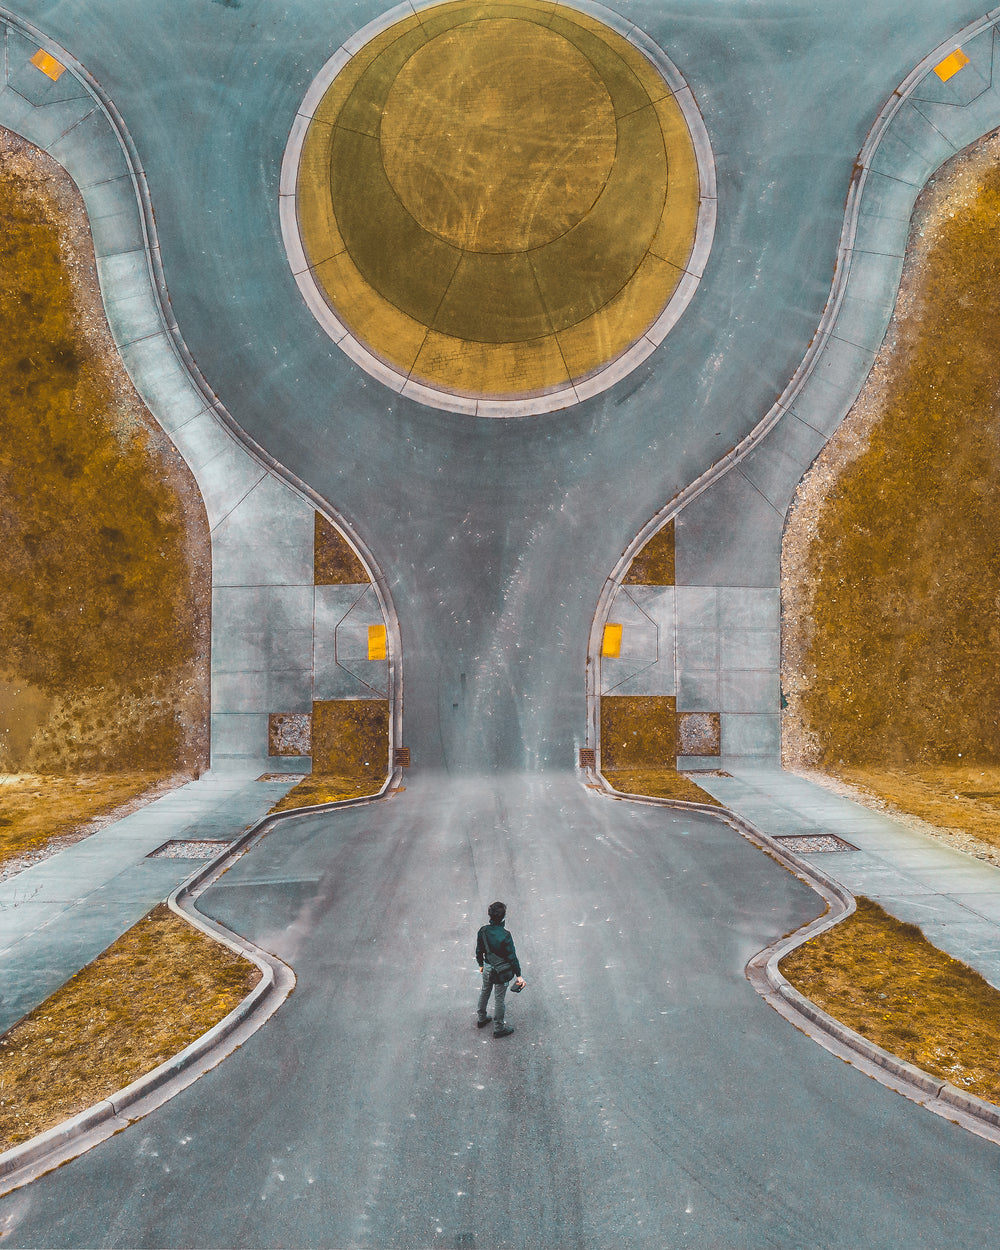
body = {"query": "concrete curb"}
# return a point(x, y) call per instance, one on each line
point(63, 1142)
point(825, 333)
point(942, 1098)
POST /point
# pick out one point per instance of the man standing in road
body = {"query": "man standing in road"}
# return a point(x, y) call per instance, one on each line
point(498, 963)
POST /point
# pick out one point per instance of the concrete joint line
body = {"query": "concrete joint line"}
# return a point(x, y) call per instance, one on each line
point(63, 1142)
point(59, 138)
point(242, 499)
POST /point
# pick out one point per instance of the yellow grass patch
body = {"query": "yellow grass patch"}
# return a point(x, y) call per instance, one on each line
point(35, 808)
point(883, 979)
point(350, 753)
point(321, 788)
point(638, 732)
point(534, 176)
point(951, 797)
point(654, 565)
point(334, 560)
point(156, 990)
point(661, 783)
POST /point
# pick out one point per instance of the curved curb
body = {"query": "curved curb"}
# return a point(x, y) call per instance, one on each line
point(61, 1143)
point(762, 971)
point(558, 398)
point(843, 270)
point(184, 357)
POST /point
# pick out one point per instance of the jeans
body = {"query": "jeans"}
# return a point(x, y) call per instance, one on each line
point(499, 996)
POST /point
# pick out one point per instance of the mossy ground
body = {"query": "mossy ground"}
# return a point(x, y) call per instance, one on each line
point(654, 565)
point(883, 979)
point(104, 601)
point(638, 732)
point(663, 783)
point(160, 986)
point(334, 561)
point(891, 565)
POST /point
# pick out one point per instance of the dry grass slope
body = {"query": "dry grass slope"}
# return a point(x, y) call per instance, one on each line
point(892, 557)
point(104, 548)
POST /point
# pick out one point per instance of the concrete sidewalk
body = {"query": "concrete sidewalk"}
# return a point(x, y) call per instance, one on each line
point(952, 896)
point(58, 915)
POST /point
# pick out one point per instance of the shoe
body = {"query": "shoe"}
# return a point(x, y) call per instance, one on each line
point(481, 1024)
point(503, 1031)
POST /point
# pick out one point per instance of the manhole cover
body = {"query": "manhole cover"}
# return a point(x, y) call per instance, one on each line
point(815, 844)
point(177, 849)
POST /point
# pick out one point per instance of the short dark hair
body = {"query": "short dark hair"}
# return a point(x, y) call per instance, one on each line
point(497, 912)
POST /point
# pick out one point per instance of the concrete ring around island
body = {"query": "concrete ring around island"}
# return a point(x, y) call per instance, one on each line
point(478, 263)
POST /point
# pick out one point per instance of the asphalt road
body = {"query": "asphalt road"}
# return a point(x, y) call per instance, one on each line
point(496, 536)
point(648, 1096)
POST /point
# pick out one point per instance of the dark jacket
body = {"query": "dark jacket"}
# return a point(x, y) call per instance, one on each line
point(500, 941)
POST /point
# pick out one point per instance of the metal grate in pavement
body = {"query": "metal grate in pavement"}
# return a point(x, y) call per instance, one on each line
point(815, 844)
point(179, 849)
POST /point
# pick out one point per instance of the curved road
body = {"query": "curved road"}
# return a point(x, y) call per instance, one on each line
point(496, 536)
point(649, 1097)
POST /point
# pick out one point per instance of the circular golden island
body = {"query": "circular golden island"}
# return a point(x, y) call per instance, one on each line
point(494, 205)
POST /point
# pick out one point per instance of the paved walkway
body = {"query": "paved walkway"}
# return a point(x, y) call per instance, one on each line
point(952, 896)
point(57, 916)
point(60, 914)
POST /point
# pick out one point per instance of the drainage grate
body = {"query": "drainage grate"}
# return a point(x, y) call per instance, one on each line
point(814, 844)
point(176, 849)
point(283, 777)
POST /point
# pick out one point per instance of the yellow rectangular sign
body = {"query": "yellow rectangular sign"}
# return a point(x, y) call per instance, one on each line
point(612, 645)
point(950, 66)
point(376, 642)
point(47, 64)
